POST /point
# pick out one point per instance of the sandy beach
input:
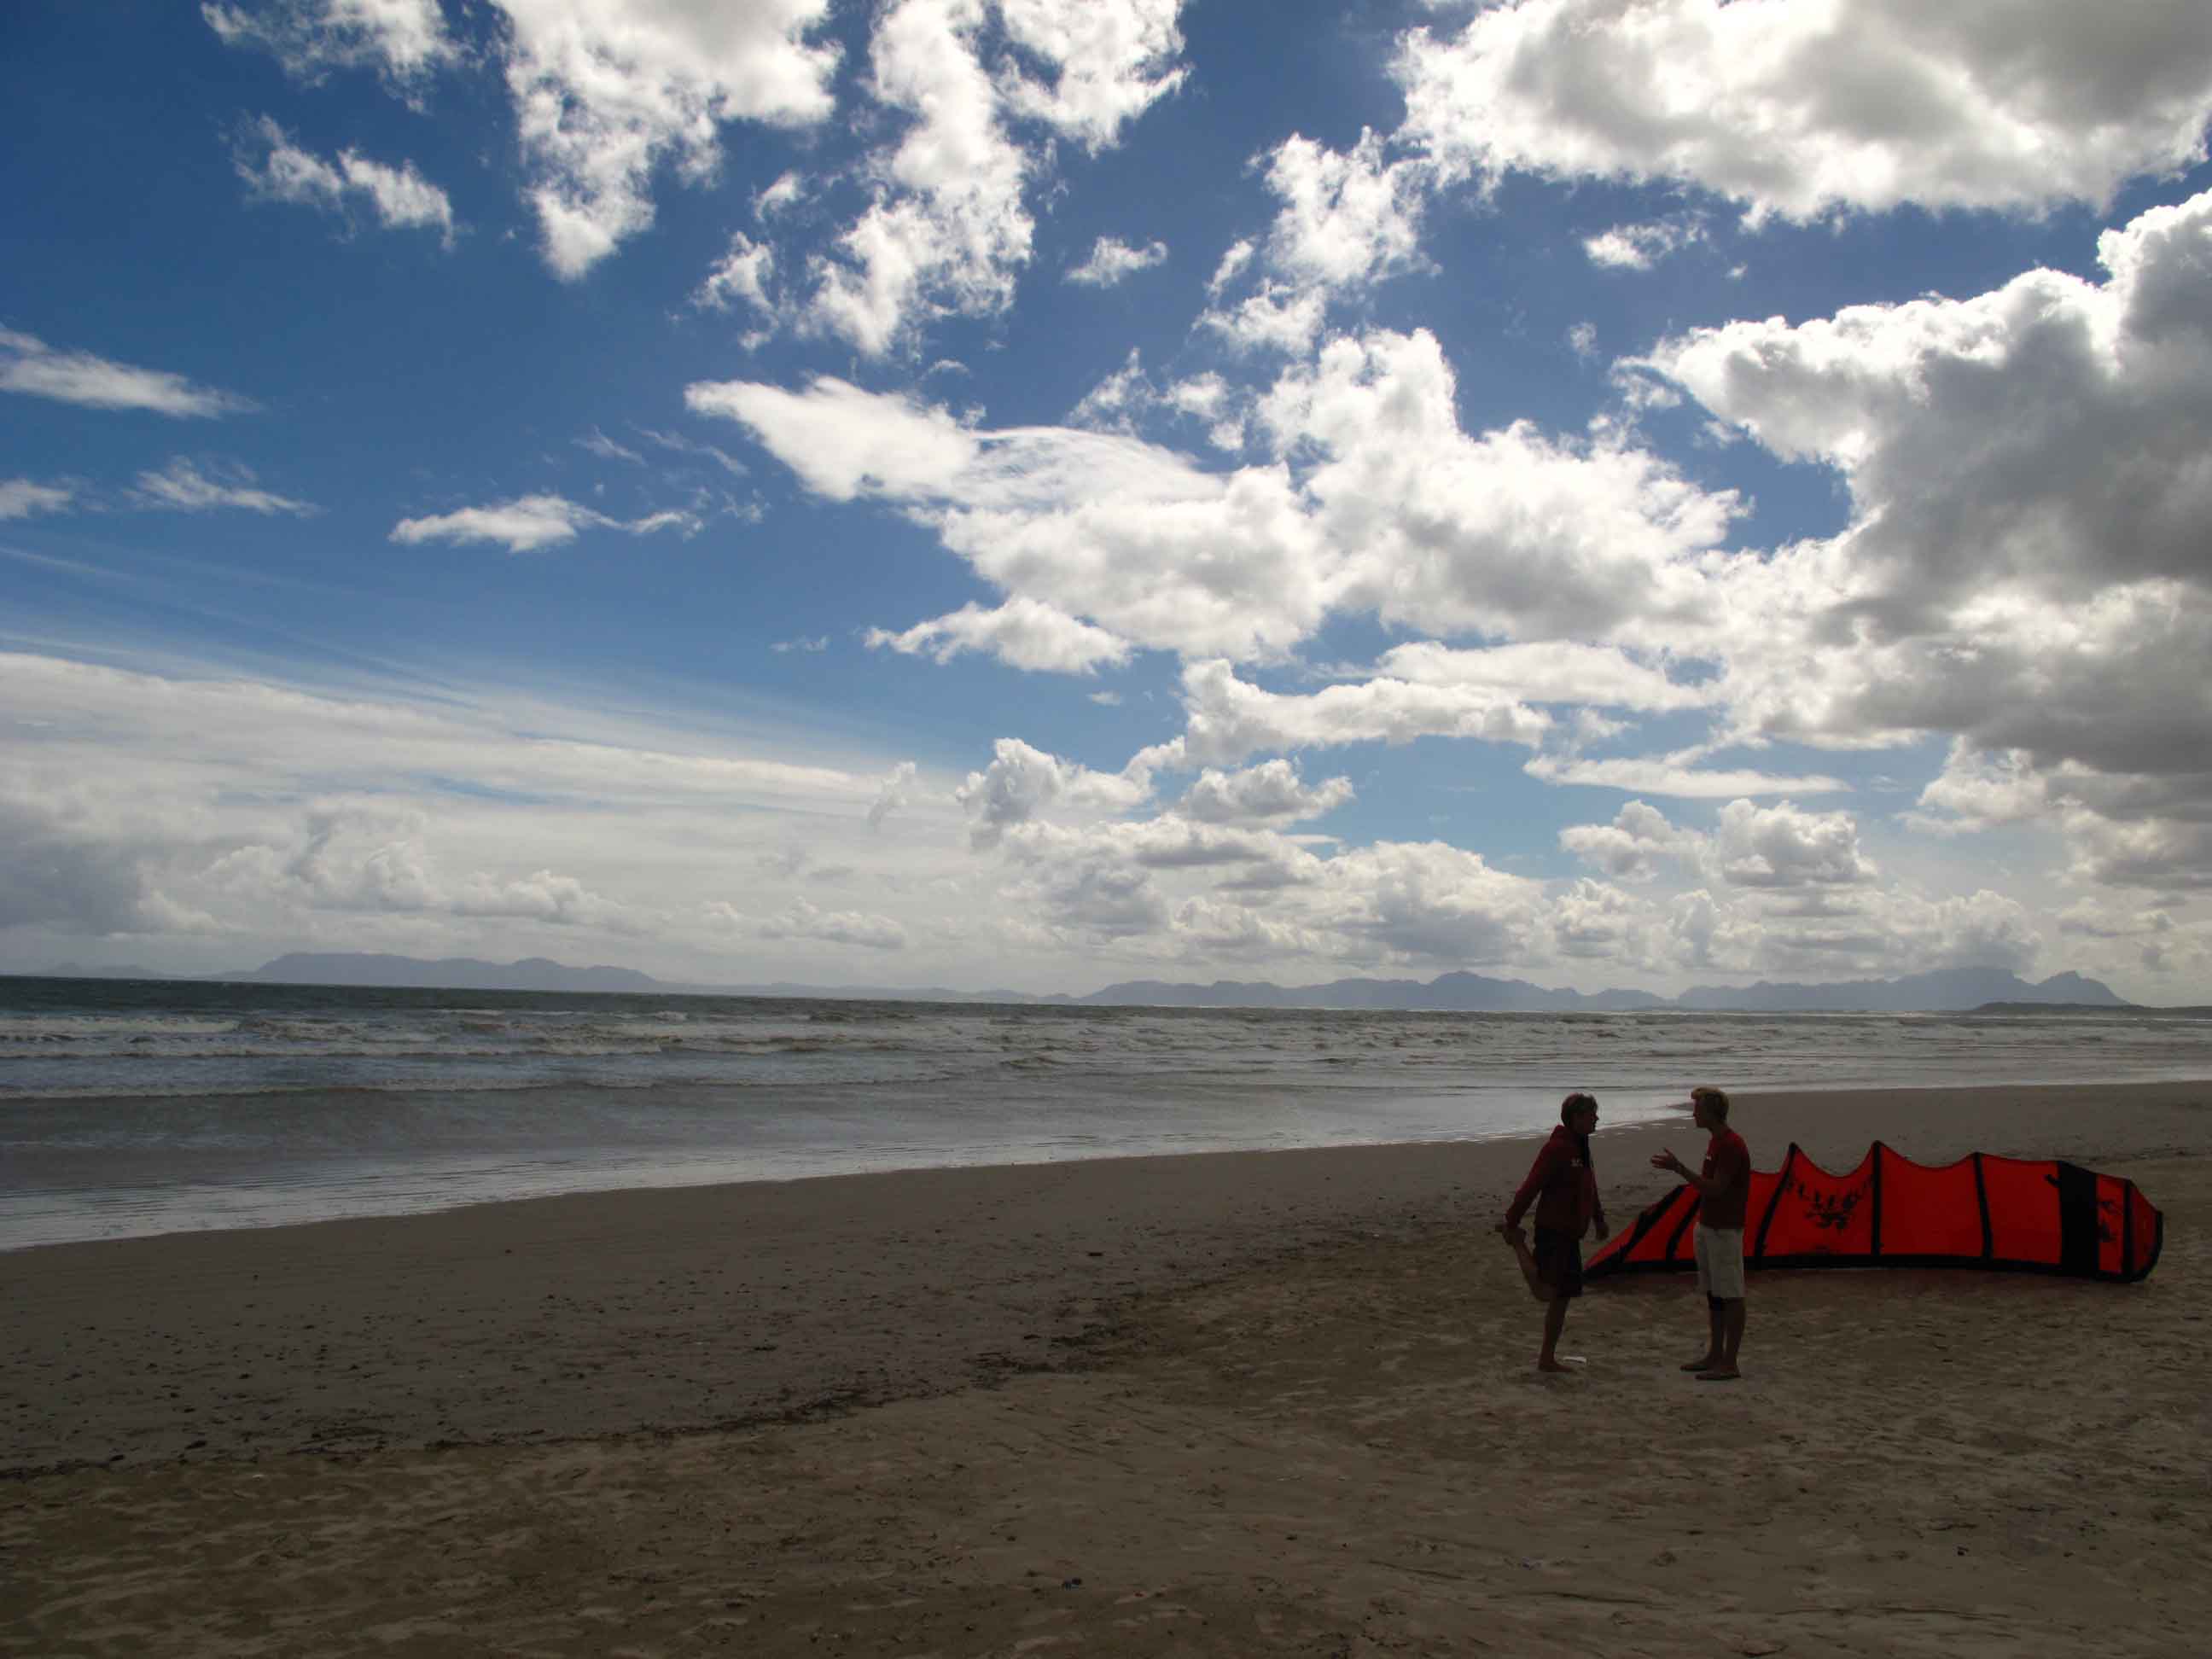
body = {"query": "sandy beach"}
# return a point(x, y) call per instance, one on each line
point(1225, 1404)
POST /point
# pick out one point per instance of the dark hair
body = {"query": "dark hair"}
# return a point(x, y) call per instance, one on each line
point(1716, 1101)
point(1575, 1102)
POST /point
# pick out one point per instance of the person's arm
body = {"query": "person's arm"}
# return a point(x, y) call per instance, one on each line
point(1704, 1186)
point(1539, 1173)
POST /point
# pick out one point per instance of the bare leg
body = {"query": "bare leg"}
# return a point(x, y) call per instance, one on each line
point(1729, 1328)
point(1714, 1346)
point(1555, 1320)
point(1519, 1240)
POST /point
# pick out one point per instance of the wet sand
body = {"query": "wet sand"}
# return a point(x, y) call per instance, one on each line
point(1238, 1403)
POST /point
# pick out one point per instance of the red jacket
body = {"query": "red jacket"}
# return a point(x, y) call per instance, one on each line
point(1561, 1186)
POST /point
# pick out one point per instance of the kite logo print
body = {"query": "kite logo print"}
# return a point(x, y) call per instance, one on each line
point(1832, 1211)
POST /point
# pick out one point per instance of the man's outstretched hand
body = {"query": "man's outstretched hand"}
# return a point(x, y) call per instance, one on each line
point(1667, 1160)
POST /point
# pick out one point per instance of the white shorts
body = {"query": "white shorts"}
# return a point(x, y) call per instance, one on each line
point(1720, 1263)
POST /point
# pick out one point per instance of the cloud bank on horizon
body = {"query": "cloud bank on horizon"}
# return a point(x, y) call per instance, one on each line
point(1608, 491)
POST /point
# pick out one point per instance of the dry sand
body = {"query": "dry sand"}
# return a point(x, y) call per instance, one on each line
point(1235, 1404)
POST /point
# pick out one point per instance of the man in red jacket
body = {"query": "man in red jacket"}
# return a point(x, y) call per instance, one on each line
point(1724, 1189)
point(1563, 1186)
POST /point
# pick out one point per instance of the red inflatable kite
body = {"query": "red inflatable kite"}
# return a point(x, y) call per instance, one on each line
point(2005, 1214)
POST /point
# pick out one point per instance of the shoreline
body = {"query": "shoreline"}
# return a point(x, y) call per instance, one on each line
point(669, 1308)
point(719, 1181)
point(1228, 1404)
point(1803, 1102)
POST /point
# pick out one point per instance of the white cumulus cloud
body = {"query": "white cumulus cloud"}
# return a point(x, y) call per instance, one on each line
point(1632, 846)
point(606, 93)
point(1785, 846)
point(1803, 109)
point(1348, 219)
point(1374, 500)
point(1022, 632)
point(1348, 216)
point(1106, 63)
point(1226, 719)
point(1023, 781)
point(949, 226)
point(1270, 793)
point(2024, 570)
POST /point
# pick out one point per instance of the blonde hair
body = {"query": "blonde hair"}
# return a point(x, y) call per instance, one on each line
point(1715, 1101)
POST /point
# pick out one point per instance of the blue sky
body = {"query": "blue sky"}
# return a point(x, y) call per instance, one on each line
point(1031, 493)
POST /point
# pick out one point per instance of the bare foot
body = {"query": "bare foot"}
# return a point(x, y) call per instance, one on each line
point(1718, 1376)
point(1549, 1366)
point(1704, 1364)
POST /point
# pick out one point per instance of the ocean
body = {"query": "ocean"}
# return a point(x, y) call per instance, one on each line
point(139, 1107)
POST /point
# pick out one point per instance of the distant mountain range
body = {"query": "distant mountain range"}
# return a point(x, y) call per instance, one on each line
point(368, 969)
point(542, 974)
point(1945, 990)
point(447, 973)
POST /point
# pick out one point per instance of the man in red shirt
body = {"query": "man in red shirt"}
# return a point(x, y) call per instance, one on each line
point(1724, 1189)
point(1563, 1186)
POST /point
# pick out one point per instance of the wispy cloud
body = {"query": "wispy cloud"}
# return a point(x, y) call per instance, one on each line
point(529, 523)
point(1639, 247)
point(276, 169)
point(741, 273)
point(608, 450)
point(1111, 260)
point(22, 497)
point(405, 39)
point(1663, 775)
point(898, 791)
point(183, 486)
point(30, 366)
point(684, 445)
point(200, 803)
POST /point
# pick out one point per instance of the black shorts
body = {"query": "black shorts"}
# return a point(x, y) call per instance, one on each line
point(1558, 1261)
